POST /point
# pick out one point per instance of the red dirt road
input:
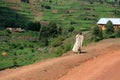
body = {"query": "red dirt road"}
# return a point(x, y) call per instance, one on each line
point(101, 62)
point(104, 67)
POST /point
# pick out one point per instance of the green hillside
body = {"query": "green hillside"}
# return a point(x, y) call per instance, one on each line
point(75, 13)
point(50, 27)
point(78, 13)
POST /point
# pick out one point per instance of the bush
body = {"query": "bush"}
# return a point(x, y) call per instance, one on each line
point(117, 33)
point(67, 47)
point(21, 47)
point(91, 1)
point(57, 42)
point(46, 7)
point(97, 34)
point(34, 26)
point(27, 1)
point(109, 28)
point(71, 29)
point(112, 35)
point(59, 52)
point(52, 30)
point(44, 42)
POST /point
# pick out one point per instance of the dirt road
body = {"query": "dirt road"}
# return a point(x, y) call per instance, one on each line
point(100, 62)
point(104, 67)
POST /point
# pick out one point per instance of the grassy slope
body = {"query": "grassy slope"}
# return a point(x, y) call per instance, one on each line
point(30, 53)
point(85, 15)
point(15, 14)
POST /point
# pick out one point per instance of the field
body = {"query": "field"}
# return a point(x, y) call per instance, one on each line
point(77, 13)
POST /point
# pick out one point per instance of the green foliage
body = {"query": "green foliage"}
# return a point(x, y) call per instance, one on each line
point(67, 47)
point(117, 33)
point(97, 34)
point(44, 42)
point(91, 1)
point(27, 1)
point(57, 41)
point(117, 12)
point(71, 29)
point(109, 28)
point(11, 17)
point(59, 52)
point(52, 30)
point(34, 26)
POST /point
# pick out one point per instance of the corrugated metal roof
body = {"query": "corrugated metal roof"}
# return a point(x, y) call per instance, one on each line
point(115, 21)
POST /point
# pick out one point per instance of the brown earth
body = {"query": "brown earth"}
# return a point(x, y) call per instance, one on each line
point(100, 61)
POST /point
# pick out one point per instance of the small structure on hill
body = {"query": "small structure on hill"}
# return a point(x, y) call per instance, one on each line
point(16, 29)
point(103, 21)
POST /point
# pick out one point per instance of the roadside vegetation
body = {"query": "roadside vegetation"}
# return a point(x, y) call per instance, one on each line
point(99, 34)
point(50, 28)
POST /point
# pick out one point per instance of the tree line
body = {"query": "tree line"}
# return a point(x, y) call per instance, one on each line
point(109, 32)
point(114, 2)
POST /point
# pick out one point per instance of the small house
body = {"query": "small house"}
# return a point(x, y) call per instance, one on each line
point(103, 21)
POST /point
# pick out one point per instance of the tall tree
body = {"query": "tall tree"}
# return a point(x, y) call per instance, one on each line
point(109, 27)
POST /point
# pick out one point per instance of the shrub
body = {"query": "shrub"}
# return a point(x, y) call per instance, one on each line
point(91, 1)
point(52, 30)
point(97, 34)
point(27, 1)
point(20, 47)
point(71, 29)
point(117, 12)
point(117, 33)
point(67, 47)
point(44, 42)
point(47, 7)
point(34, 26)
point(59, 30)
point(112, 35)
point(59, 52)
point(73, 22)
point(57, 42)
point(109, 28)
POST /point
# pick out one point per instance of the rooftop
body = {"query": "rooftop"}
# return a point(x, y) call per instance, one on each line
point(115, 21)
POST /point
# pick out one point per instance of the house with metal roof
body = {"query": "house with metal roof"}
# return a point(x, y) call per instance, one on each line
point(103, 21)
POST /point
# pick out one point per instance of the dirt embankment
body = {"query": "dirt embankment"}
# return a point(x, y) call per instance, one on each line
point(97, 59)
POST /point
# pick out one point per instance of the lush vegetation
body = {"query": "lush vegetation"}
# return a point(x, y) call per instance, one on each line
point(26, 48)
point(52, 39)
point(110, 32)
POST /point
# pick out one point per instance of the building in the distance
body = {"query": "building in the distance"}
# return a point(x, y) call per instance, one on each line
point(103, 21)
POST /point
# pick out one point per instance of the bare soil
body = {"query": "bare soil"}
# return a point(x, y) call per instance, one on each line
point(99, 61)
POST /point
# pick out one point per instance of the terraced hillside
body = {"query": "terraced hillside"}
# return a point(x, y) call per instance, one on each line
point(68, 18)
point(80, 14)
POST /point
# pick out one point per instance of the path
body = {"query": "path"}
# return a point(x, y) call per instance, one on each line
point(74, 66)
